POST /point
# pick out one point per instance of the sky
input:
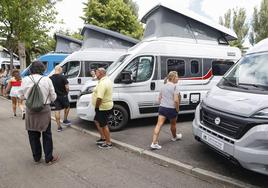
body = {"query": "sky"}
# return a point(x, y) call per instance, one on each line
point(70, 11)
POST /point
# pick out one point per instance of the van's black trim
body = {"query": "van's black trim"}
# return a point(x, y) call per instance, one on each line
point(189, 107)
point(230, 125)
point(148, 110)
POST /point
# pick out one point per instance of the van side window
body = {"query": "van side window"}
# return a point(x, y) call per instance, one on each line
point(219, 68)
point(141, 68)
point(194, 67)
point(89, 65)
point(71, 69)
point(176, 65)
point(55, 64)
point(46, 65)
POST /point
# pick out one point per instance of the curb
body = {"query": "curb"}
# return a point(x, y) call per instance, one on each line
point(179, 166)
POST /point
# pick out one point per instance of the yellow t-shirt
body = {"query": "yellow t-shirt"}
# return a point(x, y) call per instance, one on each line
point(104, 91)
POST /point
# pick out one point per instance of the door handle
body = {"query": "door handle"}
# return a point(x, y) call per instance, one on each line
point(152, 86)
point(79, 80)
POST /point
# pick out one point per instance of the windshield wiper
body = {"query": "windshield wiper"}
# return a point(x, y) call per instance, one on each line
point(229, 82)
point(233, 84)
point(262, 87)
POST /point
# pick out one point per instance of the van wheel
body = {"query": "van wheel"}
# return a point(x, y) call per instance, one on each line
point(118, 119)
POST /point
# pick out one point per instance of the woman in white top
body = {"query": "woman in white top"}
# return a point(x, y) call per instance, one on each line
point(169, 107)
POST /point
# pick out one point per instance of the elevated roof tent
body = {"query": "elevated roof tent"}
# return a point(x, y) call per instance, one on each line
point(97, 37)
point(65, 44)
point(165, 21)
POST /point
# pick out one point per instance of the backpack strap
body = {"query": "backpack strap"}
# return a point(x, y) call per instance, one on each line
point(37, 84)
point(34, 81)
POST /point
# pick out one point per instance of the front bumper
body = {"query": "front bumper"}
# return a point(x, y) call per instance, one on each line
point(84, 108)
point(251, 150)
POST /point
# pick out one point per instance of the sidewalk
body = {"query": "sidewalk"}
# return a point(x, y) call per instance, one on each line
point(82, 164)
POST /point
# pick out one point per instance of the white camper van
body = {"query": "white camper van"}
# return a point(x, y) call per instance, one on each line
point(100, 48)
point(139, 74)
point(233, 117)
point(5, 59)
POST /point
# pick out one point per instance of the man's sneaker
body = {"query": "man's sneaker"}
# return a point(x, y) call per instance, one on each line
point(66, 122)
point(59, 129)
point(178, 137)
point(105, 146)
point(155, 146)
point(100, 141)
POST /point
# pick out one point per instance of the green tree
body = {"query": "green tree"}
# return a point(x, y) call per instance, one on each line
point(259, 23)
point(133, 6)
point(24, 25)
point(236, 19)
point(116, 15)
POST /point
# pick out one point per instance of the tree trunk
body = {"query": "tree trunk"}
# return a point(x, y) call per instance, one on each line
point(22, 55)
point(11, 60)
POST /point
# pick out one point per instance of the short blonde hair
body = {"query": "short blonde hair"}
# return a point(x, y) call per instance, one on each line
point(171, 75)
point(58, 69)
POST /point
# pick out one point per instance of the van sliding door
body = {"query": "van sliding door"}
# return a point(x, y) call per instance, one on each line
point(72, 71)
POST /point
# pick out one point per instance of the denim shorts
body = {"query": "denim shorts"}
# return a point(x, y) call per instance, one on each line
point(169, 113)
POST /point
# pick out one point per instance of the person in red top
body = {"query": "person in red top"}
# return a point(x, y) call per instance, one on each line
point(13, 86)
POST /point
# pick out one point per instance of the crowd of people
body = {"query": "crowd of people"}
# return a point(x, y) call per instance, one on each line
point(54, 92)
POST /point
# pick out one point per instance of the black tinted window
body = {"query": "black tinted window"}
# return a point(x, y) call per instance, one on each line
point(176, 65)
point(89, 66)
point(219, 68)
point(194, 67)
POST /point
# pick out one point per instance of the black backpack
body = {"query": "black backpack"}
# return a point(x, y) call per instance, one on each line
point(35, 100)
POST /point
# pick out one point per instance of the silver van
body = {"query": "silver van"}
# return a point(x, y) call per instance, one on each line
point(233, 117)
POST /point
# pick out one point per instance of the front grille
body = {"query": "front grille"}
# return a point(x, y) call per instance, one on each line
point(230, 125)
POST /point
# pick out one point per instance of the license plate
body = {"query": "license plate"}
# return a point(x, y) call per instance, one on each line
point(214, 142)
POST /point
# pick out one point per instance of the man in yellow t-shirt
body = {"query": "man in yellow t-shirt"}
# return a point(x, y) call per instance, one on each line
point(103, 102)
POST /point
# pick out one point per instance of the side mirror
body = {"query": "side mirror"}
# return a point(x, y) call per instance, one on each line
point(126, 77)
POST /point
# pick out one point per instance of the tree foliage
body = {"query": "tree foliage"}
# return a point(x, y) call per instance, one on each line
point(259, 23)
point(116, 15)
point(236, 19)
point(25, 22)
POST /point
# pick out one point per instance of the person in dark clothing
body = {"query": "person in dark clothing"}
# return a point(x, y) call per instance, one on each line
point(61, 86)
point(38, 123)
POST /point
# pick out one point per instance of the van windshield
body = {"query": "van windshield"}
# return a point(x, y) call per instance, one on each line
point(251, 73)
point(116, 64)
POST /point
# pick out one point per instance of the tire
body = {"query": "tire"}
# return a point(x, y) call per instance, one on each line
point(119, 118)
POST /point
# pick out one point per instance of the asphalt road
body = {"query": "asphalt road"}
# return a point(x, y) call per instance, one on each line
point(82, 164)
point(139, 133)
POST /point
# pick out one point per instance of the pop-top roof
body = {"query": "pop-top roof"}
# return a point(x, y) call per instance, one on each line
point(66, 44)
point(98, 37)
point(163, 20)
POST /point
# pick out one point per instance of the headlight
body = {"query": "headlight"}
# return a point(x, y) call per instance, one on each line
point(88, 90)
point(261, 114)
